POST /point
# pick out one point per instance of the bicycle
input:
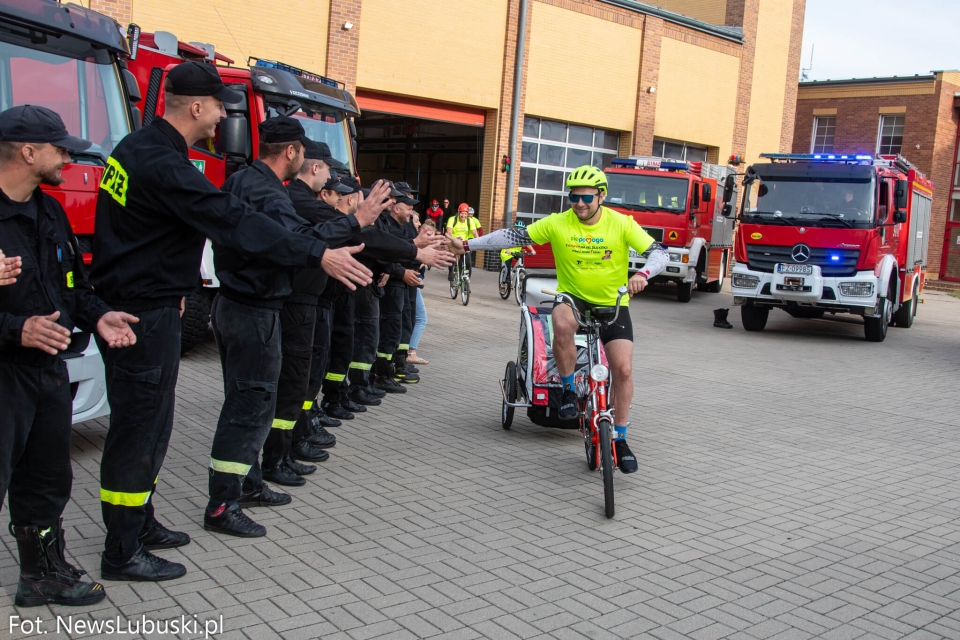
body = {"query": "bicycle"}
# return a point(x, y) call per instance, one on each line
point(596, 418)
point(515, 281)
point(461, 281)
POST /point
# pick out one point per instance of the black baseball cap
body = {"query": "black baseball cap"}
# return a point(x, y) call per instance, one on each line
point(200, 79)
point(334, 184)
point(351, 182)
point(407, 200)
point(320, 151)
point(405, 187)
point(282, 129)
point(29, 123)
point(394, 192)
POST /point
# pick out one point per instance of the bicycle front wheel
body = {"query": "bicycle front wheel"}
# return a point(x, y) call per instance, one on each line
point(518, 289)
point(465, 292)
point(455, 286)
point(504, 283)
point(606, 465)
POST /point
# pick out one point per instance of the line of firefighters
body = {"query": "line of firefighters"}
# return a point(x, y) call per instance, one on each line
point(318, 282)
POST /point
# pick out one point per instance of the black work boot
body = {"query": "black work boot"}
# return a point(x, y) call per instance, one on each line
point(383, 377)
point(320, 417)
point(361, 395)
point(720, 319)
point(349, 404)
point(142, 567)
point(264, 496)
point(159, 537)
point(298, 467)
point(232, 521)
point(280, 473)
point(45, 575)
point(306, 450)
point(332, 407)
point(373, 391)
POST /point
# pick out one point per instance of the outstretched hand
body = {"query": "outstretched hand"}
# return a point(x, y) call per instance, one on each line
point(436, 257)
point(371, 207)
point(456, 244)
point(340, 264)
point(114, 328)
point(43, 332)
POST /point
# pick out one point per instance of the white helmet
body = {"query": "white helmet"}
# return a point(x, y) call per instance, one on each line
point(471, 211)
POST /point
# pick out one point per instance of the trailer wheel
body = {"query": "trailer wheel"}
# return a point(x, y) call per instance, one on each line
point(754, 318)
point(195, 320)
point(907, 311)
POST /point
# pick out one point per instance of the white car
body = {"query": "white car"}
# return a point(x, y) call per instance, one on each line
point(88, 382)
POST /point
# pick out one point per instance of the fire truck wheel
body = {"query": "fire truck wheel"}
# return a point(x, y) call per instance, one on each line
point(684, 291)
point(875, 329)
point(717, 285)
point(195, 320)
point(754, 318)
point(907, 311)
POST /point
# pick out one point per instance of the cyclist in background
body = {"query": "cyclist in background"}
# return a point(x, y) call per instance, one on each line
point(591, 246)
point(507, 256)
point(464, 227)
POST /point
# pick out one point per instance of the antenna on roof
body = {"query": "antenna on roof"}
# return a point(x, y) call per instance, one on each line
point(805, 72)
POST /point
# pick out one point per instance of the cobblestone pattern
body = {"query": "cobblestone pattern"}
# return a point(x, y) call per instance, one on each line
point(797, 483)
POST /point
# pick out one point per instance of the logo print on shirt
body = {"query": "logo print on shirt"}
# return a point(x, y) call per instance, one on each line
point(115, 181)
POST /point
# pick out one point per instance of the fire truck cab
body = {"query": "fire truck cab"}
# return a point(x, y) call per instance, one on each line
point(676, 202)
point(270, 89)
point(72, 60)
point(832, 234)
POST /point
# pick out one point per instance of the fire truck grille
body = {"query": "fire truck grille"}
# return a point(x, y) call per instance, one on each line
point(762, 257)
point(655, 232)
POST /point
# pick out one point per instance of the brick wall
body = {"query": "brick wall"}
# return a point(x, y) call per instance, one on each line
point(343, 45)
point(119, 10)
point(649, 77)
point(793, 72)
point(745, 14)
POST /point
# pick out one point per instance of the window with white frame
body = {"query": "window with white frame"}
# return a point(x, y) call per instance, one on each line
point(823, 132)
point(679, 151)
point(550, 151)
point(890, 138)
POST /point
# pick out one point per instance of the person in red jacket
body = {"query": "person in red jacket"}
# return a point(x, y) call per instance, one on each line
point(435, 213)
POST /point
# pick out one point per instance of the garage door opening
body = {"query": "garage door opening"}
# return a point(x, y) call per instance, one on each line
point(440, 158)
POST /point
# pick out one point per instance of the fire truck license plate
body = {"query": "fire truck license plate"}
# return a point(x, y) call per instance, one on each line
point(799, 269)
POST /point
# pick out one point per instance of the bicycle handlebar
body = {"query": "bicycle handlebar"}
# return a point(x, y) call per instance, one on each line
point(566, 299)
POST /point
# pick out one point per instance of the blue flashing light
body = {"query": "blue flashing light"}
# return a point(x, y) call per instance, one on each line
point(835, 258)
point(651, 163)
point(819, 157)
point(269, 64)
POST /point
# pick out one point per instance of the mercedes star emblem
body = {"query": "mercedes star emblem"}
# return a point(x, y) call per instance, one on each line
point(800, 253)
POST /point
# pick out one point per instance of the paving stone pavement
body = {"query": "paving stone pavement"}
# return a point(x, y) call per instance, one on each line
point(797, 483)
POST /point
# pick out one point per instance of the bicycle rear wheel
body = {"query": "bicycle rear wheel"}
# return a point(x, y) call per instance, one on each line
point(606, 465)
point(504, 283)
point(455, 286)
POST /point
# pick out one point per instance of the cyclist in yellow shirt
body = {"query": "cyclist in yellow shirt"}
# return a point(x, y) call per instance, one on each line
point(591, 246)
point(465, 227)
point(507, 256)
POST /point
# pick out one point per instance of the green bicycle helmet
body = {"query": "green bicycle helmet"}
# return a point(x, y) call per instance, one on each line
point(587, 176)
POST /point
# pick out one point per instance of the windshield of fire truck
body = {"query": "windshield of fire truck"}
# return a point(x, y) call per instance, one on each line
point(87, 93)
point(325, 124)
point(812, 201)
point(645, 192)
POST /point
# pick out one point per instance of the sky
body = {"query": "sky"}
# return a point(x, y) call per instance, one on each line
point(880, 38)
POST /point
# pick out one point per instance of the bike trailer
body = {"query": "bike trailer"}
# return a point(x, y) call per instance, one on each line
point(539, 379)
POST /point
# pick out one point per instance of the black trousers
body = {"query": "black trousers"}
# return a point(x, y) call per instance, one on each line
point(341, 344)
point(249, 342)
point(391, 319)
point(297, 324)
point(366, 335)
point(35, 441)
point(141, 388)
point(409, 317)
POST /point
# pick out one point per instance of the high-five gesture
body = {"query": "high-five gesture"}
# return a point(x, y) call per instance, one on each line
point(371, 207)
point(340, 264)
point(9, 269)
point(114, 328)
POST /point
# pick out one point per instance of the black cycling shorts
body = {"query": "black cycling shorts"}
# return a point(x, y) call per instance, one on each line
point(621, 330)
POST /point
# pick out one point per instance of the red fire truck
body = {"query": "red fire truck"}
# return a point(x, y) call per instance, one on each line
point(270, 89)
point(832, 234)
point(676, 203)
point(72, 60)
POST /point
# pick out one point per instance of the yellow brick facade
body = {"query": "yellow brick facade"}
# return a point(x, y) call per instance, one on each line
point(458, 59)
point(712, 11)
point(246, 28)
point(769, 71)
point(565, 52)
point(697, 95)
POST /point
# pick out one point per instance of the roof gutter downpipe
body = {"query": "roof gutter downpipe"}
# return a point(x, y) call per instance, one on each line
point(515, 112)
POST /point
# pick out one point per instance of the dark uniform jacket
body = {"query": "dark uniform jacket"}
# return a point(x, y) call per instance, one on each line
point(254, 280)
point(378, 245)
point(52, 278)
point(405, 231)
point(154, 211)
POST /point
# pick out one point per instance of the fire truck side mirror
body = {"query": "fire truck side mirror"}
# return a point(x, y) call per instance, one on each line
point(727, 211)
point(234, 136)
point(899, 216)
point(729, 184)
point(707, 192)
point(903, 189)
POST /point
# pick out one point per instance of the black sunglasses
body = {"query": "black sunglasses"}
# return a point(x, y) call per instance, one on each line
point(587, 198)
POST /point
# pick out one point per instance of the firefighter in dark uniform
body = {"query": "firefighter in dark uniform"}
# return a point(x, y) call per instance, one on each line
point(246, 324)
point(397, 221)
point(408, 373)
point(38, 312)
point(153, 215)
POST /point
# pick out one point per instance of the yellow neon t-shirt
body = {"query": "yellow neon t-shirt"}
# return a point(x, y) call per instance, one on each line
point(592, 261)
point(507, 255)
point(463, 230)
